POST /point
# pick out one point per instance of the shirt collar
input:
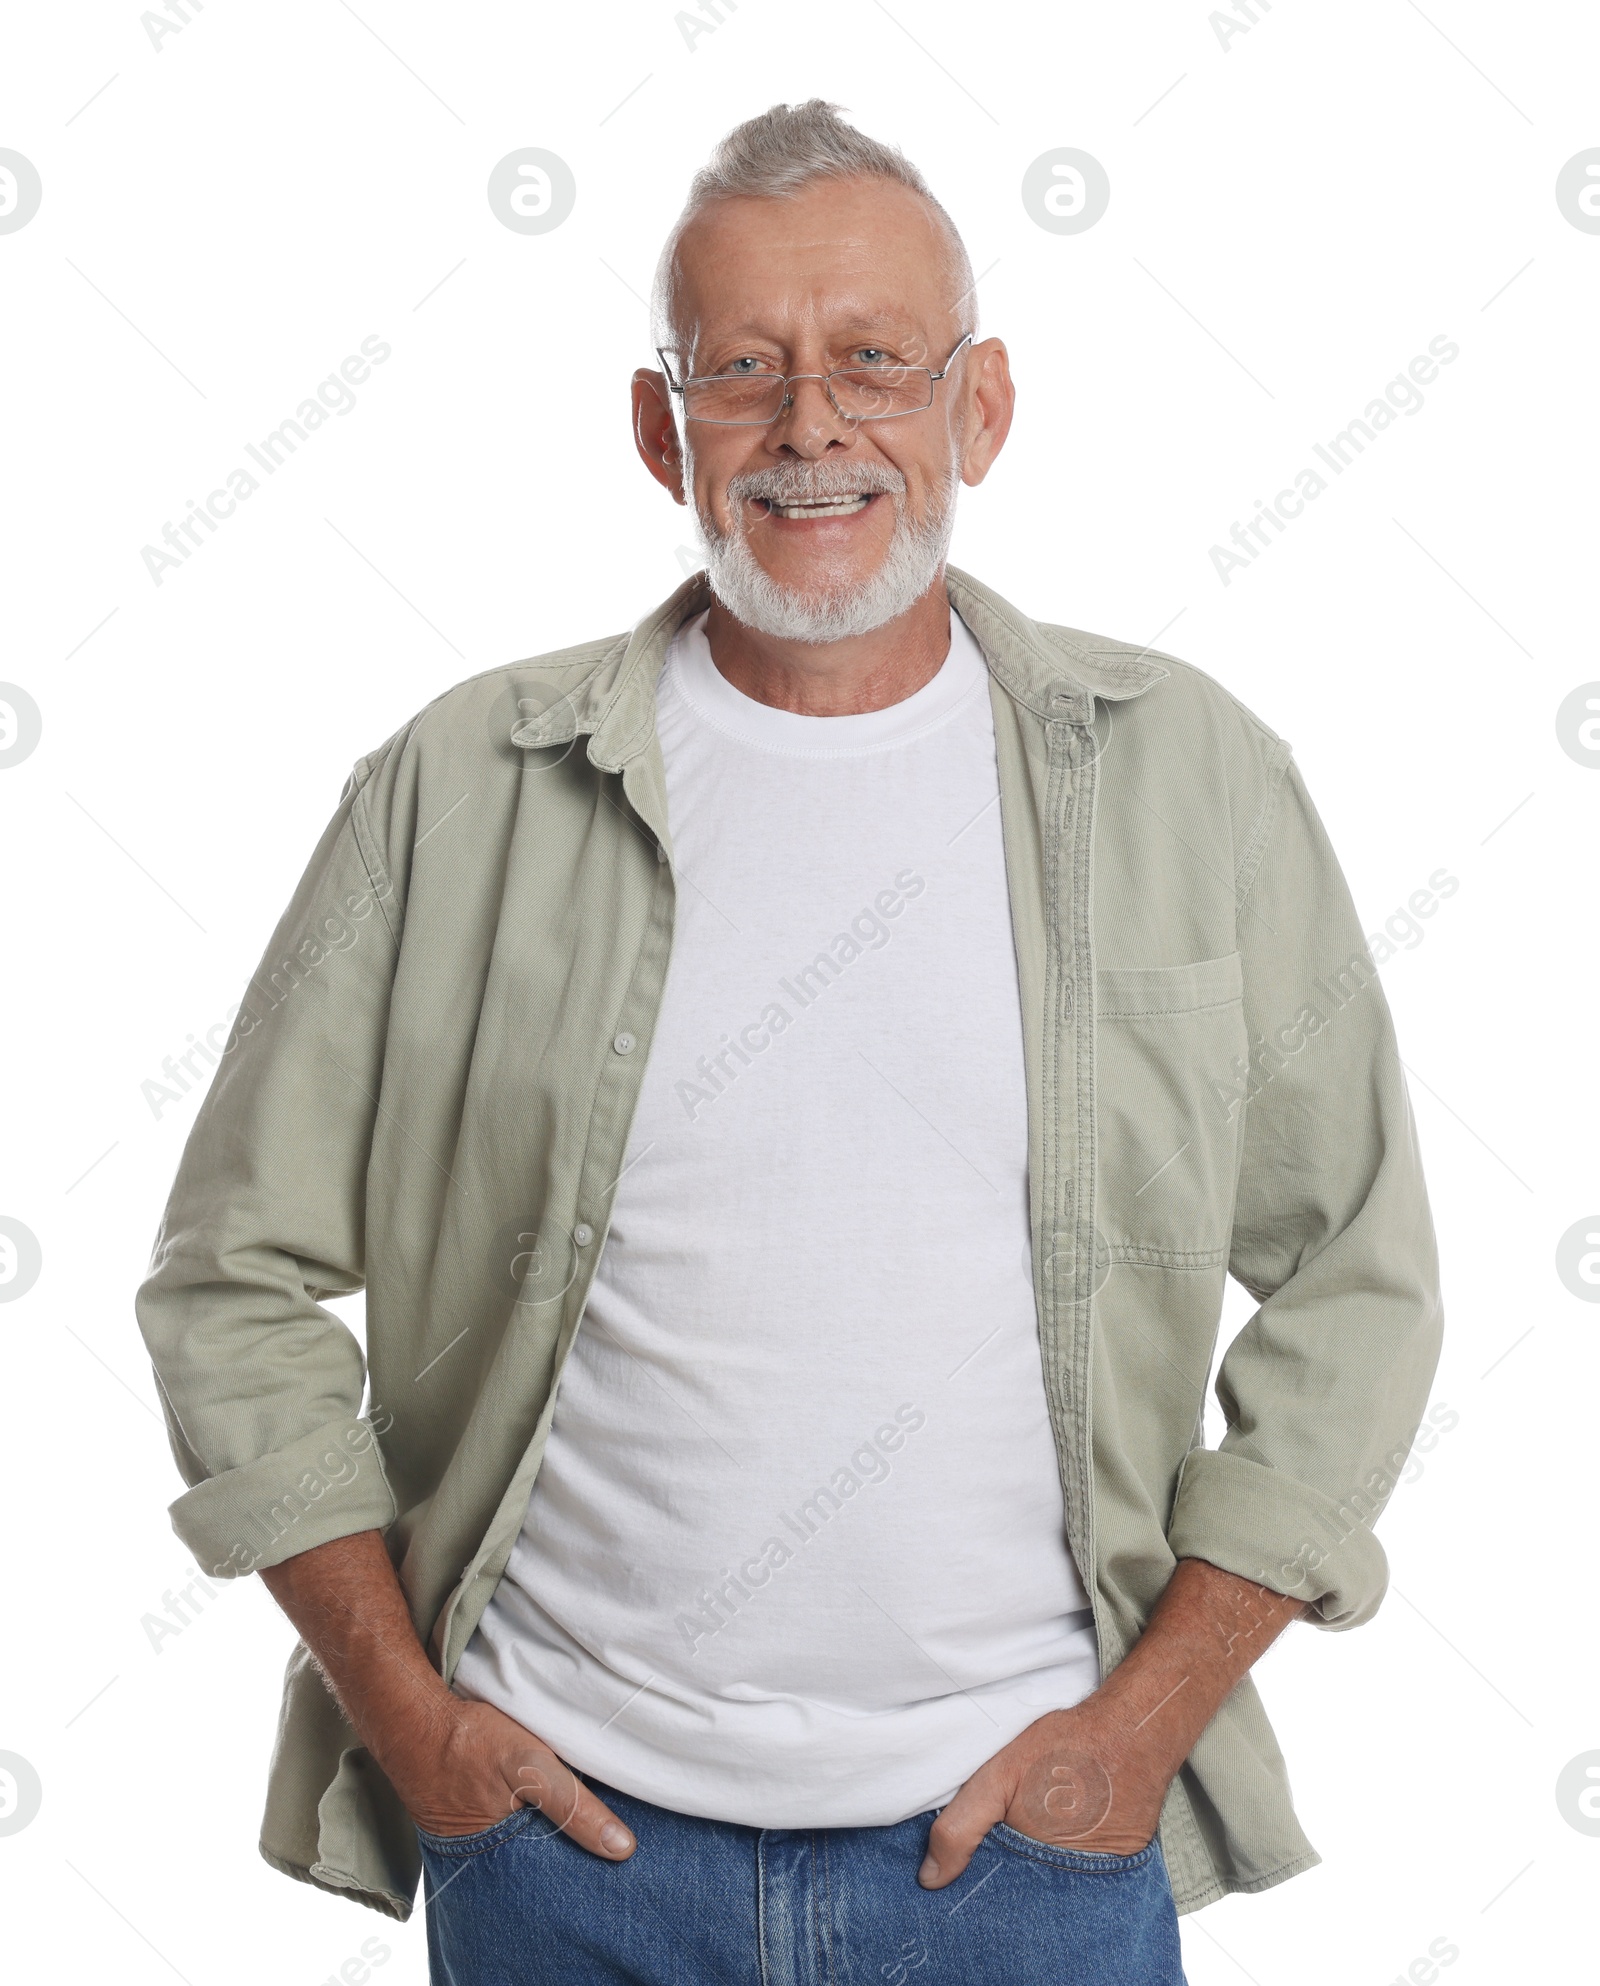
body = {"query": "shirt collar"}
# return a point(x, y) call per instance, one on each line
point(1041, 666)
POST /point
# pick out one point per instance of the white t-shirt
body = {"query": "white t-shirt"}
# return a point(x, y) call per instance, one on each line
point(795, 1555)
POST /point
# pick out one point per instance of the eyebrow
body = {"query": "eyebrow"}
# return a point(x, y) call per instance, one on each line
point(856, 329)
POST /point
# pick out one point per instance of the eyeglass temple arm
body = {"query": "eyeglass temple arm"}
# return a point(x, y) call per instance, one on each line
point(949, 362)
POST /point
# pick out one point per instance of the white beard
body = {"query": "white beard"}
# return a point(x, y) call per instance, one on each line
point(913, 561)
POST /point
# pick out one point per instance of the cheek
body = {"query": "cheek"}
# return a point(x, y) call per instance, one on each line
point(930, 485)
point(709, 494)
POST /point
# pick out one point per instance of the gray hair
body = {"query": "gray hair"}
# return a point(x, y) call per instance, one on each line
point(774, 156)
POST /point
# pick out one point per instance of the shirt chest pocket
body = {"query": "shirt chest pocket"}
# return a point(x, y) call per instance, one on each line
point(1166, 1039)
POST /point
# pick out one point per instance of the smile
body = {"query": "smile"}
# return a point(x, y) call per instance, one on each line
point(816, 507)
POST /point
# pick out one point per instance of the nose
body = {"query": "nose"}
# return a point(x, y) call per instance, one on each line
point(810, 423)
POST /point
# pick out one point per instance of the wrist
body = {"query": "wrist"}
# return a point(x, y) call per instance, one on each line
point(1135, 1721)
point(408, 1732)
point(413, 1748)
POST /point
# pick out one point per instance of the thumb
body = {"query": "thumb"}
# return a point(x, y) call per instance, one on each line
point(956, 1833)
point(546, 1782)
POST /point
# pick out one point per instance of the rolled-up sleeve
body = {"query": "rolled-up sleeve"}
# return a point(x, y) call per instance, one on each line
point(1324, 1388)
point(261, 1385)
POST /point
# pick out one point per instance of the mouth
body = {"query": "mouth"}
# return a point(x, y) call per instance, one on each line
point(805, 510)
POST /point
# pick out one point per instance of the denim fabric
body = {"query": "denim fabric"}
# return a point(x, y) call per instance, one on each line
point(706, 1903)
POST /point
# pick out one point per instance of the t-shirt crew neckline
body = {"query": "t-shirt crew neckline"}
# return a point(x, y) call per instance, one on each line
point(715, 701)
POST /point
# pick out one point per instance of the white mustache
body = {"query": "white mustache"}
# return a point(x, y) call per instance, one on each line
point(789, 483)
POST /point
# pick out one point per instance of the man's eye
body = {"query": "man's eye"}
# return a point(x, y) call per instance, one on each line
point(872, 355)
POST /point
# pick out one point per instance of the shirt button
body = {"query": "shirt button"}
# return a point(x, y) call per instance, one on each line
point(583, 1234)
point(624, 1044)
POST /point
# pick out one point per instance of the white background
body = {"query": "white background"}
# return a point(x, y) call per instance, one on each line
point(1290, 223)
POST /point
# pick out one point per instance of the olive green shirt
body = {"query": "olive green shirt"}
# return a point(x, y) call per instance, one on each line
point(428, 1089)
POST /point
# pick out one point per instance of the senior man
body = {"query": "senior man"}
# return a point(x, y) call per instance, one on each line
point(793, 1080)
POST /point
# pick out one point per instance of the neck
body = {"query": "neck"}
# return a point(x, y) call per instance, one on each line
point(835, 678)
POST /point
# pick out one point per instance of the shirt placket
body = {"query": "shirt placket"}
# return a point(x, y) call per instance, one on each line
point(1068, 1104)
point(610, 1120)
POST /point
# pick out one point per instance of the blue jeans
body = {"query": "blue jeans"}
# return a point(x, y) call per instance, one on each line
point(701, 1902)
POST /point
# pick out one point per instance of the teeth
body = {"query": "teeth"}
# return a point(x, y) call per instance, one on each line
point(820, 506)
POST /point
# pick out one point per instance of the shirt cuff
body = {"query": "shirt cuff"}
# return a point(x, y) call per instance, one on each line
point(1261, 1524)
point(328, 1484)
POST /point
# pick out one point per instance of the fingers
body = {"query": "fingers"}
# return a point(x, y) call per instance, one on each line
point(542, 1781)
point(955, 1835)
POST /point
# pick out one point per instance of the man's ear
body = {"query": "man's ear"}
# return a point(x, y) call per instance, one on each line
point(991, 401)
point(655, 433)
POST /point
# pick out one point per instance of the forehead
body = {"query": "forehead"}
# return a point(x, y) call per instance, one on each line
point(841, 251)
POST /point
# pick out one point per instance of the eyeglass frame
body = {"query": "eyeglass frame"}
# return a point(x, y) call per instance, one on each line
point(788, 379)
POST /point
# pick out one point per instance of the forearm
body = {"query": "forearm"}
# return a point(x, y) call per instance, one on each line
point(347, 1604)
point(1207, 1629)
point(456, 1766)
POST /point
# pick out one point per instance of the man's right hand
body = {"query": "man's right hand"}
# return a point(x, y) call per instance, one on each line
point(457, 1767)
point(476, 1766)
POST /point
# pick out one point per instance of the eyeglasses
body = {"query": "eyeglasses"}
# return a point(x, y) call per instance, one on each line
point(859, 393)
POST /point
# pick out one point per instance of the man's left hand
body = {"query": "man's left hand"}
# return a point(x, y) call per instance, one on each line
point(1071, 1779)
point(1094, 1777)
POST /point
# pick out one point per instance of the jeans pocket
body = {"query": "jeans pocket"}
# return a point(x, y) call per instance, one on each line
point(1087, 1861)
point(481, 1842)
